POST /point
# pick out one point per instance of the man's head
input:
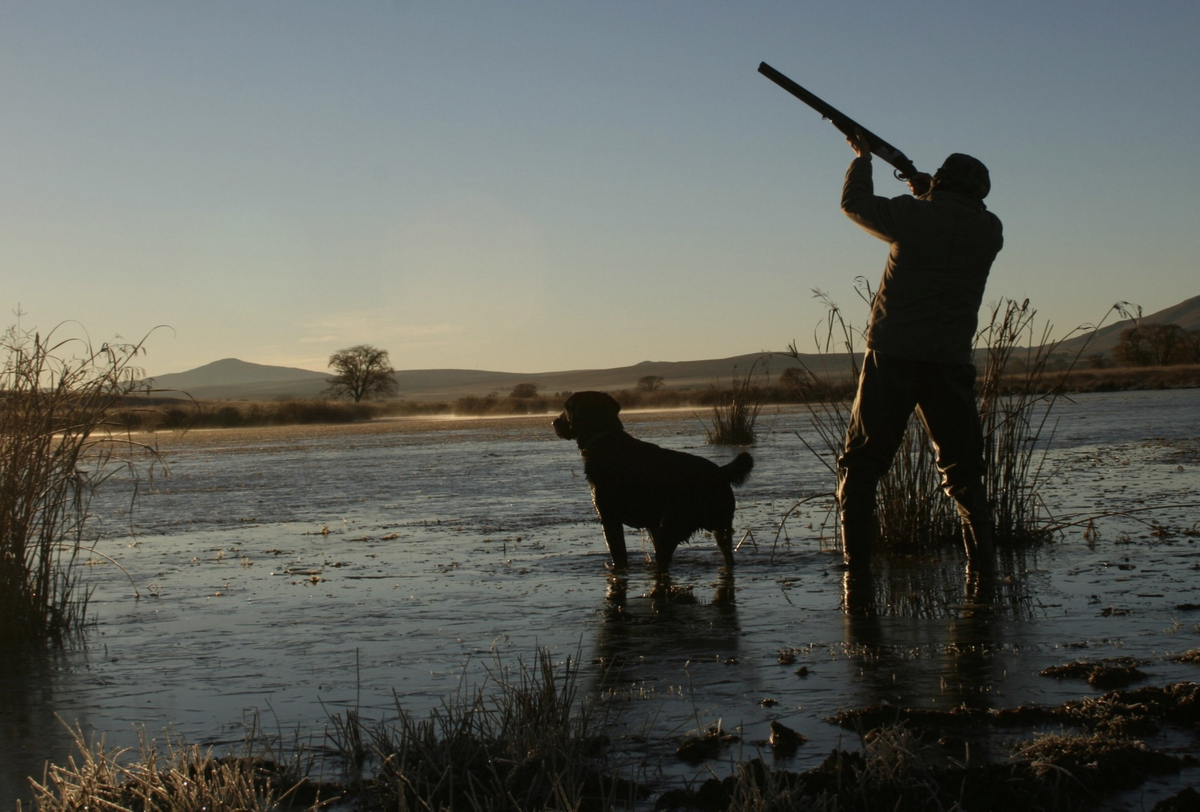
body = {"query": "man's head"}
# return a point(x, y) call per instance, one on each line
point(963, 174)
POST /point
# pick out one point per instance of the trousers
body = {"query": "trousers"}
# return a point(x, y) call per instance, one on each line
point(890, 389)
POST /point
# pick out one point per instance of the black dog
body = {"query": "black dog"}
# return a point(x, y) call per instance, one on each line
point(669, 493)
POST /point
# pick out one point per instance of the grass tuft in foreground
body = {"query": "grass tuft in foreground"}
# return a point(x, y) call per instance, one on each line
point(530, 745)
point(178, 778)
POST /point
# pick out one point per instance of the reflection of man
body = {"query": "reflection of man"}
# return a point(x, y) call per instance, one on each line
point(919, 344)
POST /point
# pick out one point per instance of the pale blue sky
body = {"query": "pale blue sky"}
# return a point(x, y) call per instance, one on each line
point(537, 186)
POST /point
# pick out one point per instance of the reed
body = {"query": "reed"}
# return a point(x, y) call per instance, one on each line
point(1024, 377)
point(56, 447)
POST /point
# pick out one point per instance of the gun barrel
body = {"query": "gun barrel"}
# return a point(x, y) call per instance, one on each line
point(904, 167)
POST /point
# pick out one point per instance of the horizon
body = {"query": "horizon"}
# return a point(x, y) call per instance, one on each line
point(1108, 326)
point(548, 187)
point(471, 369)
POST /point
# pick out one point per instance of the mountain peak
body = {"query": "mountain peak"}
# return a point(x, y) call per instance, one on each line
point(233, 371)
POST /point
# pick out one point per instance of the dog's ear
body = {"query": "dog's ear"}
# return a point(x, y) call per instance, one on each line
point(575, 403)
point(611, 405)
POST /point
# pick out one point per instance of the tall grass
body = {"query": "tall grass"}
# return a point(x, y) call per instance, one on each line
point(735, 410)
point(1017, 393)
point(55, 449)
point(1016, 390)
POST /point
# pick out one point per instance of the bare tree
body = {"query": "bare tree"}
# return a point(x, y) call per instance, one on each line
point(362, 371)
point(649, 383)
point(524, 390)
point(1147, 345)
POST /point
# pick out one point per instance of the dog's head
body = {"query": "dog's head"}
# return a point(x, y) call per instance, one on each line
point(587, 415)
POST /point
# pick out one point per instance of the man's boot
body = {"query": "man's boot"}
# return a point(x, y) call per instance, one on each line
point(977, 538)
point(858, 593)
point(858, 537)
point(977, 534)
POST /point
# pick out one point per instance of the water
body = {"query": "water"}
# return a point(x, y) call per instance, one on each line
point(291, 574)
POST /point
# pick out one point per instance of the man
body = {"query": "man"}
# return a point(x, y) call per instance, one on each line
point(919, 344)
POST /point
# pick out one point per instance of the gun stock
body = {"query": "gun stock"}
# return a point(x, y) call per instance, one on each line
point(904, 167)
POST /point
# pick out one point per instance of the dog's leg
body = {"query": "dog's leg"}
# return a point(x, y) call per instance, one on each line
point(662, 586)
point(614, 536)
point(724, 537)
point(664, 549)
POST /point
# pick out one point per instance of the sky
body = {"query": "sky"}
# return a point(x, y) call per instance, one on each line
point(546, 186)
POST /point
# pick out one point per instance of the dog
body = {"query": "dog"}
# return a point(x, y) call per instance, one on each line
point(668, 493)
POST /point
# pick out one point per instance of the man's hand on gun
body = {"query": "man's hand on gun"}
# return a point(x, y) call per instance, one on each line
point(918, 184)
point(859, 143)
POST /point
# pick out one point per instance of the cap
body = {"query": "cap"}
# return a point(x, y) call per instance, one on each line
point(962, 173)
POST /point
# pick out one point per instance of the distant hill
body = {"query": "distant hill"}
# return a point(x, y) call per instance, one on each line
point(449, 384)
point(232, 379)
point(1186, 314)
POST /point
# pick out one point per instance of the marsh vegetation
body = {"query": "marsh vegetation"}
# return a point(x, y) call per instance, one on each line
point(57, 445)
point(365, 565)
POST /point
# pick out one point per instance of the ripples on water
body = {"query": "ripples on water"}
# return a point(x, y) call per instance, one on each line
point(296, 573)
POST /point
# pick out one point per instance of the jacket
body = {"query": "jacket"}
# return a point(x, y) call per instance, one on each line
point(942, 248)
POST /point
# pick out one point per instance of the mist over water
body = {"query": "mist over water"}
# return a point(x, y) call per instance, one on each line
point(290, 574)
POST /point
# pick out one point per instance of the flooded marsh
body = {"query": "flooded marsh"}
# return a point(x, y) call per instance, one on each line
point(290, 574)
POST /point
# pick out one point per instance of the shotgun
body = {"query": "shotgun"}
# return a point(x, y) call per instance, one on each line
point(904, 167)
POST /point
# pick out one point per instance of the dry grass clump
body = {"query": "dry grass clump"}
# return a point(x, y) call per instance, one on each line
point(56, 447)
point(735, 410)
point(531, 746)
point(177, 778)
point(1118, 673)
point(1093, 763)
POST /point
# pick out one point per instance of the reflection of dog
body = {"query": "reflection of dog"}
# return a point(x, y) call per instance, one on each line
point(669, 493)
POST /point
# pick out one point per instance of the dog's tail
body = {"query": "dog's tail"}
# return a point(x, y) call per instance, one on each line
point(737, 471)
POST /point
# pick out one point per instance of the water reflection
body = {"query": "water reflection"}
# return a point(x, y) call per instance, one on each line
point(924, 633)
point(32, 691)
point(650, 637)
point(670, 661)
point(933, 587)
